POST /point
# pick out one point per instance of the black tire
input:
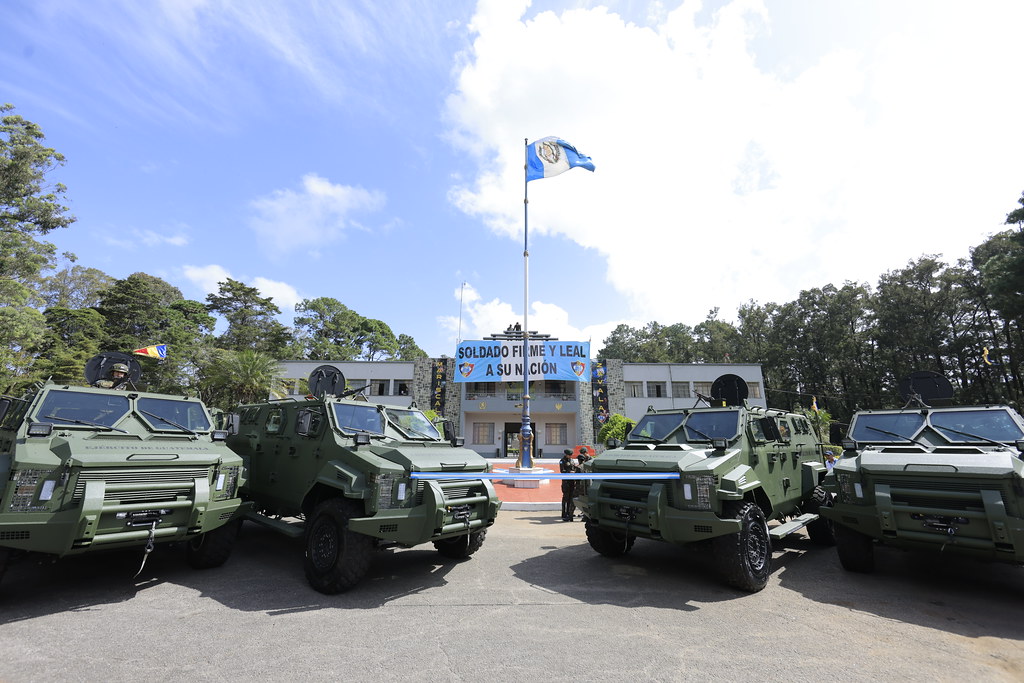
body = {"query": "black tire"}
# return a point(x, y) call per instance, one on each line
point(745, 558)
point(213, 548)
point(820, 530)
point(461, 547)
point(608, 543)
point(856, 550)
point(336, 558)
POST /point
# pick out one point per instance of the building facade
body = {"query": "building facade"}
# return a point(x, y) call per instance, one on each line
point(563, 414)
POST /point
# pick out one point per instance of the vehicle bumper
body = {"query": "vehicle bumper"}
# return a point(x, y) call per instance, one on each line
point(441, 514)
point(644, 511)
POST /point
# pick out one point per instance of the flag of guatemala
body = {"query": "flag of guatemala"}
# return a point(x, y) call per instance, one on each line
point(550, 156)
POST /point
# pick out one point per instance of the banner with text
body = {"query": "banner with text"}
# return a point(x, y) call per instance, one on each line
point(502, 361)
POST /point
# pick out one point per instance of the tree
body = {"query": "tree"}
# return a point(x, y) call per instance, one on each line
point(326, 329)
point(74, 287)
point(616, 427)
point(408, 349)
point(73, 336)
point(376, 340)
point(250, 318)
point(245, 376)
point(27, 208)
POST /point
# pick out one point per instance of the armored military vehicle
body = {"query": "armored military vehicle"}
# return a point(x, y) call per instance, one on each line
point(930, 477)
point(336, 471)
point(106, 466)
point(718, 474)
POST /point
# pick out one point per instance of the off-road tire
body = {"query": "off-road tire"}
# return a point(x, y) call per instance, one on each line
point(336, 558)
point(213, 548)
point(856, 550)
point(745, 558)
point(608, 543)
point(461, 547)
point(820, 530)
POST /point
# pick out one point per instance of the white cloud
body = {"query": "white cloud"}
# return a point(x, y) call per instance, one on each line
point(318, 213)
point(719, 180)
point(483, 318)
point(208, 278)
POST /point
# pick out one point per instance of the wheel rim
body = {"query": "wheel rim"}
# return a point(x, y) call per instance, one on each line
point(756, 546)
point(323, 549)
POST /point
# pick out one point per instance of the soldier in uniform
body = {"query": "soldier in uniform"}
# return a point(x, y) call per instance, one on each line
point(567, 466)
point(118, 377)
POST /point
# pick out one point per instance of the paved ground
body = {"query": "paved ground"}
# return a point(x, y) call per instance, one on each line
point(536, 603)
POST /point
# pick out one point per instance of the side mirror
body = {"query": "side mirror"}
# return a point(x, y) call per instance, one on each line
point(448, 429)
point(613, 443)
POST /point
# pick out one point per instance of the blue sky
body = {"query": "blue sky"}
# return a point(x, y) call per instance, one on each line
point(373, 151)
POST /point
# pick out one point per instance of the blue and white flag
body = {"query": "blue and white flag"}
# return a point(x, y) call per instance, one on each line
point(550, 156)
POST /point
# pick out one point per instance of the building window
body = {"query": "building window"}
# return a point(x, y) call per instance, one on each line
point(556, 433)
point(680, 390)
point(380, 387)
point(514, 391)
point(702, 388)
point(753, 390)
point(475, 390)
point(356, 384)
point(401, 387)
point(656, 390)
point(634, 389)
point(483, 433)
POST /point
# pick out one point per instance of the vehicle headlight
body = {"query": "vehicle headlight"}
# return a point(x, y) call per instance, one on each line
point(850, 491)
point(226, 483)
point(697, 491)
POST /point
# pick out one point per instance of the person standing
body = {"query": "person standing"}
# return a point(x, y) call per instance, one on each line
point(567, 466)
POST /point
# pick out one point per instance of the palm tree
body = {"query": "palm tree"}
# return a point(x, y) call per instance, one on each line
point(245, 376)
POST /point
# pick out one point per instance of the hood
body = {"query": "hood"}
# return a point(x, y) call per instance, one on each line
point(433, 457)
point(650, 458)
point(940, 461)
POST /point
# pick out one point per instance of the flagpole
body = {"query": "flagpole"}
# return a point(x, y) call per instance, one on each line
point(525, 431)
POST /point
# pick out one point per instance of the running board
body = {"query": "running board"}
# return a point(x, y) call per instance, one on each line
point(789, 527)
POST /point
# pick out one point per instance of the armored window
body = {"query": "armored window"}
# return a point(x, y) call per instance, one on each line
point(358, 418)
point(974, 426)
point(70, 408)
point(705, 426)
point(680, 390)
point(657, 427)
point(753, 390)
point(275, 421)
point(634, 389)
point(886, 427)
point(656, 390)
point(783, 429)
point(483, 433)
point(166, 414)
point(556, 433)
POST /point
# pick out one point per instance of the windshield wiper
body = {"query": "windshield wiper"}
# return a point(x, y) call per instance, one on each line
point(85, 422)
point(170, 422)
point(898, 436)
point(973, 436)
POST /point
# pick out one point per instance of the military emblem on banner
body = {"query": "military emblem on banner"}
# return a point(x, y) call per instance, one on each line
point(578, 367)
point(466, 369)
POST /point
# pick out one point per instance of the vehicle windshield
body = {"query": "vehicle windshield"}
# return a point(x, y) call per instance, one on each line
point(165, 414)
point(358, 418)
point(887, 427)
point(71, 408)
point(413, 423)
point(973, 426)
point(716, 424)
point(653, 427)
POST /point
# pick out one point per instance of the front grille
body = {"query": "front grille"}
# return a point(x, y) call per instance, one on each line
point(387, 528)
point(917, 492)
point(142, 481)
point(702, 529)
point(14, 535)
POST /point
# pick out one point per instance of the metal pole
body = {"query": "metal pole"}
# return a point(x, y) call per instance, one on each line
point(526, 432)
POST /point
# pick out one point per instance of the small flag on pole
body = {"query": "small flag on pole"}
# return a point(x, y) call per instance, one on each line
point(551, 156)
point(155, 351)
point(814, 403)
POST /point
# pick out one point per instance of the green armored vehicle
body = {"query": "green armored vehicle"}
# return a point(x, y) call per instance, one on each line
point(718, 474)
point(946, 479)
point(106, 466)
point(336, 471)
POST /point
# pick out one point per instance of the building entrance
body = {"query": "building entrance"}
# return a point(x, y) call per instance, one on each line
point(510, 448)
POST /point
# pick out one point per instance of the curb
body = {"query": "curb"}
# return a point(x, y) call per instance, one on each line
point(520, 505)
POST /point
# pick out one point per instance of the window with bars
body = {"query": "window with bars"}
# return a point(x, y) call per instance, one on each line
point(556, 433)
point(680, 390)
point(656, 390)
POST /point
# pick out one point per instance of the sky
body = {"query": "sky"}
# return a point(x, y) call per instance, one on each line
point(373, 152)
